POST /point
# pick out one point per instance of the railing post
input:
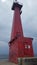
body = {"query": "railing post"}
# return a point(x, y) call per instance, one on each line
point(19, 61)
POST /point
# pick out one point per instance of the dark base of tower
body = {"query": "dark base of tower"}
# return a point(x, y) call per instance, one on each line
point(26, 61)
point(29, 61)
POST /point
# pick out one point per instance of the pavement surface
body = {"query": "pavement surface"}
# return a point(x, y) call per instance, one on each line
point(6, 63)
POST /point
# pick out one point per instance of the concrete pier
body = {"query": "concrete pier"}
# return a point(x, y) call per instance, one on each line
point(7, 63)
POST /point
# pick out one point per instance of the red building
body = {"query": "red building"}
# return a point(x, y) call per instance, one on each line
point(19, 46)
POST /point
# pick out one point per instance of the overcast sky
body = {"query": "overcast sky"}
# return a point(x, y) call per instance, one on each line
point(29, 22)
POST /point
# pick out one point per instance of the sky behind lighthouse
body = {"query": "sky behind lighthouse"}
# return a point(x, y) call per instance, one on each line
point(28, 18)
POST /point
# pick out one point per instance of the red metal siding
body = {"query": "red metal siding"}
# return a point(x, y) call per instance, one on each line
point(18, 41)
point(28, 51)
point(17, 27)
point(18, 49)
point(14, 52)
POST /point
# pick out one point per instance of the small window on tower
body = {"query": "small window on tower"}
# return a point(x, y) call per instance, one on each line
point(27, 46)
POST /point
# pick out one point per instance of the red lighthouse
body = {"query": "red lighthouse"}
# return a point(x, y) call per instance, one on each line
point(19, 46)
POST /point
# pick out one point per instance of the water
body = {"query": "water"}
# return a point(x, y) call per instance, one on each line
point(3, 57)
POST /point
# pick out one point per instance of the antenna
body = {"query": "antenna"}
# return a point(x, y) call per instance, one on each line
point(15, 0)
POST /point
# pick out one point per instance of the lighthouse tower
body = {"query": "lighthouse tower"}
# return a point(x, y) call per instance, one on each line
point(19, 46)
